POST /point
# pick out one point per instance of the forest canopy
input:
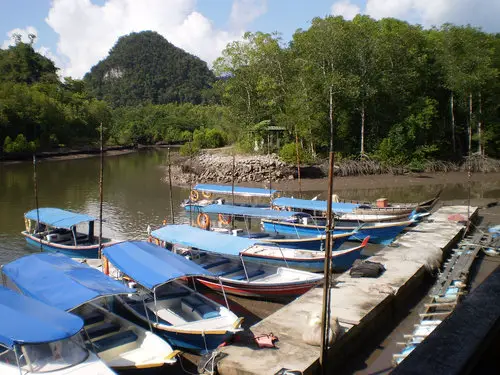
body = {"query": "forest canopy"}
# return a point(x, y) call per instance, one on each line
point(392, 91)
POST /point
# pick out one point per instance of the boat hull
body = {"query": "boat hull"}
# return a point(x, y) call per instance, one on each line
point(91, 252)
point(307, 243)
point(195, 341)
point(379, 234)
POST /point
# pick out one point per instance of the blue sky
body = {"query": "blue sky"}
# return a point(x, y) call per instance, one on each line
point(76, 34)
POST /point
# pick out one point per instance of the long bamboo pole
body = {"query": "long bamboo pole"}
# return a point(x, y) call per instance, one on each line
point(35, 187)
point(170, 187)
point(101, 192)
point(298, 161)
point(325, 313)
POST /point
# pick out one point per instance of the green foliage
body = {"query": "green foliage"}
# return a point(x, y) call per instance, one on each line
point(144, 68)
point(288, 154)
point(189, 149)
point(20, 144)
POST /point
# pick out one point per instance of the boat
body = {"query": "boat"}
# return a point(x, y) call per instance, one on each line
point(68, 285)
point(203, 195)
point(379, 233)
point(356, 211)
point(186, 318)
point(55, 230)
point(231, 274)
point(254, 250)
point(227, 213)
point(36, 338)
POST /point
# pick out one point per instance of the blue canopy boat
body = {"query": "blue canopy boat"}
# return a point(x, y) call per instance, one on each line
point(207, 192)
point(55, 230)
point(36, 338)
point(379, 232)
point(255, 250)
point(63, 283)
point(293, 241)
point(186, 318)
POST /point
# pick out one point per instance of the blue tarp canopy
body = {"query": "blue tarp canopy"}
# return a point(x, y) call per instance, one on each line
point(151, 265)
point(238, 190)
point(227, 209)
point(305, 204)
point(27, 321)
point(60, 281)
point(203, 239)
point(55, 217)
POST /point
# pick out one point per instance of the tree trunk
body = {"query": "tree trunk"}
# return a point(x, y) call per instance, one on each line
point(470, 123)
point(452, 123)
point(479, 127)
point(363, 128)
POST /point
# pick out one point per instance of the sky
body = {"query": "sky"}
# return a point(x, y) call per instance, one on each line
point(77, 34)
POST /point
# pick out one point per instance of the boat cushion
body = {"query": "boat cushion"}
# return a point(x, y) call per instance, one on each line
point(229, 271)
point(203, 309)
point(215, 263)
point(92, 318)
point(102, 329)
point(118, 339)
point(251, 274)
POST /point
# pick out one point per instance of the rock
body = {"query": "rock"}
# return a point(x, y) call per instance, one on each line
point(290, 177)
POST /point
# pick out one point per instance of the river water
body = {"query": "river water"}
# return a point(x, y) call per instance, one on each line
point(135, 194)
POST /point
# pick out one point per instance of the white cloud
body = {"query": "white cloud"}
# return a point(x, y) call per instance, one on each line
point(479, 13)
point(345, 9)
point(87, 31)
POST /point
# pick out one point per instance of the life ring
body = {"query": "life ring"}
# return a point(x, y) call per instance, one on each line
point(194, 195)
point(277, 195)
point(289, 209)
point(164, 222)
point(225, 219)
point(157, 241)
point(206, 194)
point(203, 221)
point(105, 266)
point(150, 239)
point(276, 208)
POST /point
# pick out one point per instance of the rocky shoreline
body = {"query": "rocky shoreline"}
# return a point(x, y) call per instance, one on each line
point(218, 168)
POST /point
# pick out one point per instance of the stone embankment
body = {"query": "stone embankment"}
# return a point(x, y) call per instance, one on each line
point(218, 168)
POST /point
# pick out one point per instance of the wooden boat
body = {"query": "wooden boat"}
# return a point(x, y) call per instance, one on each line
point(253, 250)
point(36, 338)
point(203, 195)
point(55, 230)
point(233, 274)
point(363, 212)
point(227, 213)
point(379, 233)
point(186, 318)
point(63, 283)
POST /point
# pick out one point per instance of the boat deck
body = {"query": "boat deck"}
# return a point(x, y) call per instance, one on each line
point(362, 305)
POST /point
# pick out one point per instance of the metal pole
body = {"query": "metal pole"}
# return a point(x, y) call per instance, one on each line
point(170, 187)
point(190, 188)
point(35, 186)
point(325, 313)
point(232, 179)
point(101, 186)
point(270, 183)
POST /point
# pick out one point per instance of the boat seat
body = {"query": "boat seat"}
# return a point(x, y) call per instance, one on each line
point(102, 329)
point(215, 263)
point(251, 274)
point(202, 309)
point(118, 339)
point(139, 308)
point(92, 318)
point(229, 271)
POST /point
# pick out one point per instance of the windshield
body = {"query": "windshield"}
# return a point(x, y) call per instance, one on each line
point(54, 355)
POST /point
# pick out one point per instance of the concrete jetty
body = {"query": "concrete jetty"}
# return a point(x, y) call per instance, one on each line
point(362, 305)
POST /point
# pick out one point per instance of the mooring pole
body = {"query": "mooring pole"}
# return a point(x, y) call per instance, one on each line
point(232, 179)
point(101, 195)
point(325, 313)
point(35, 186)
point(298, 161)
point(270, 183)
point(170, 186)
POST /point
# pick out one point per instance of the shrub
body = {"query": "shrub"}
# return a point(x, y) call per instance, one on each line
point(288, 154)
point(189, 149)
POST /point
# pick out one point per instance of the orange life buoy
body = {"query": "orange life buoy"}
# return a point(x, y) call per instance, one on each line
point(150, 239)
point(206, 195)
point(164, 222)
point(157, 241)
point(105, 265)
point(203, 221)
point(276, 208)
point(224, 219)
point(194, 195)
point(277, 194)
point(289, 209)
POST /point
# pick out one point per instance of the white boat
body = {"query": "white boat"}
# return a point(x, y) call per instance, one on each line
point(36, 338)
point(186, 318)
point(86, 292)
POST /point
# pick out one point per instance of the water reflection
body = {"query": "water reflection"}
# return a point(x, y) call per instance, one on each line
point(135, 195)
